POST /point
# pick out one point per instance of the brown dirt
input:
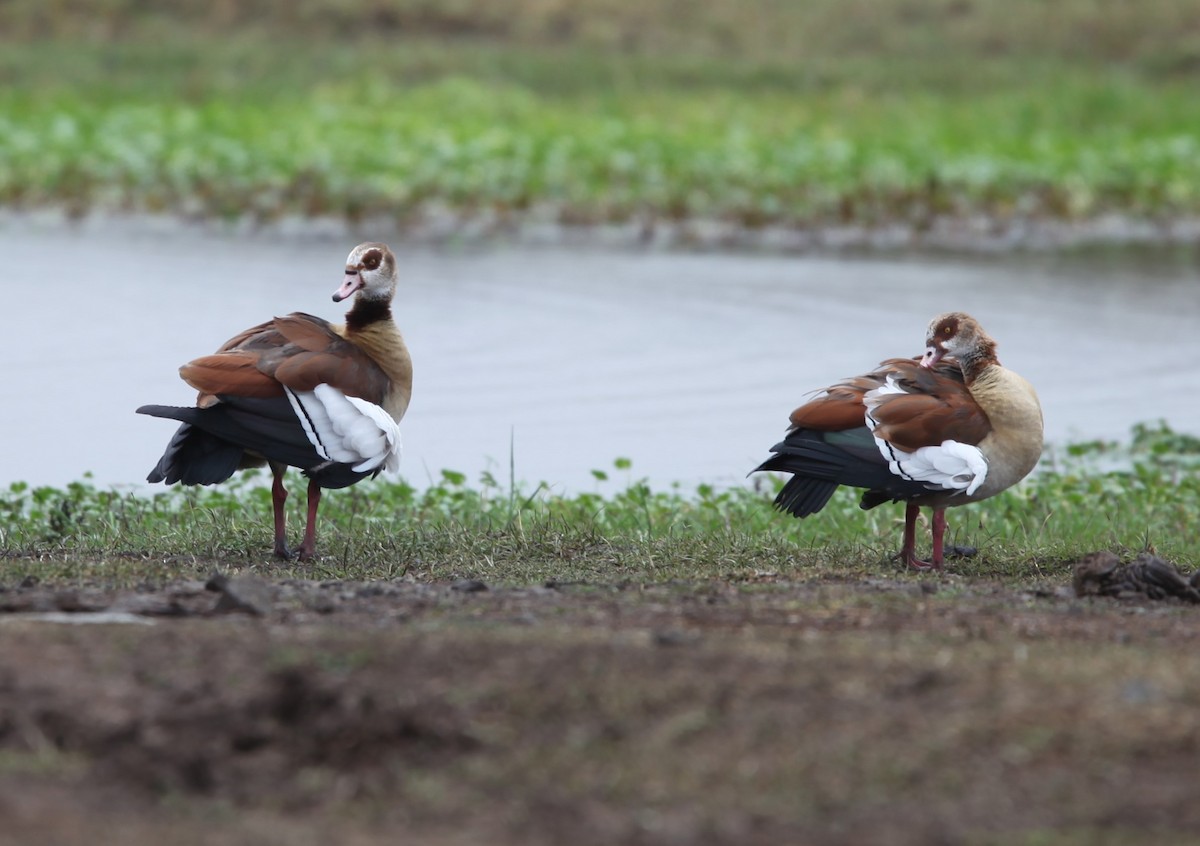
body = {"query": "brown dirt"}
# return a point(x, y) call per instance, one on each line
point(901, 711)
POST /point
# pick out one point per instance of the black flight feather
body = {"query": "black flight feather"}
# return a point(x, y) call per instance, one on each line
point(820, 461)
point(214, 440)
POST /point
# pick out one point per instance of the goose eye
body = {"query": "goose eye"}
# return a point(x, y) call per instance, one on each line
point(371, 259)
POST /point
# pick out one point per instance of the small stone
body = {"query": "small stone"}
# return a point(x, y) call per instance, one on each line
point(246, 595)
point(68, 600)
point(559, 584)
point(673, 637)
point(469, 586)
point(322, 603)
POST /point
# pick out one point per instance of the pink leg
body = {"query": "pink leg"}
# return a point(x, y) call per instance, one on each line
point(309, 545)
point(908, 552)
point(939, 532)
point(279, 496)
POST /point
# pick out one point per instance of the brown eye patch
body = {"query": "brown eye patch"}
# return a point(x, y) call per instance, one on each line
point(372, 259)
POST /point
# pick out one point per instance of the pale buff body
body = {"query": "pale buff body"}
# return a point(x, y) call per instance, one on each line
point(382, 341)
point(1014, 446)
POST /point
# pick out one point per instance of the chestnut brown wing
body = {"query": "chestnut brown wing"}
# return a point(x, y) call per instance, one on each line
point(839, 408)
point(299, 351)
point(934, 406)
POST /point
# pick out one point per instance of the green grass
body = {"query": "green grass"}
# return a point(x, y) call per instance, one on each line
point(769, 114)
point(1125, 497)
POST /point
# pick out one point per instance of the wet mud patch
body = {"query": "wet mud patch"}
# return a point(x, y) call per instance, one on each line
point(165, 715)
point(251, 746)
point(759, 711)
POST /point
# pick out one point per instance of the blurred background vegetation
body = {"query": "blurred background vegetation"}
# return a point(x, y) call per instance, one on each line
point(585, 111)
point(1157, 36)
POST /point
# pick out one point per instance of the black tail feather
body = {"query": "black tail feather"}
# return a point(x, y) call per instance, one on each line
point(213, 443)
point(803, 495)
point(821, 461)
point(194, 457)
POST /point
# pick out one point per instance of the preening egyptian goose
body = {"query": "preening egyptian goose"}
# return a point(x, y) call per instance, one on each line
point(950, 428)
point(299, 391)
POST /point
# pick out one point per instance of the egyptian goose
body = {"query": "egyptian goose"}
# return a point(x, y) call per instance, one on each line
point(302, 392)
point(950, 428)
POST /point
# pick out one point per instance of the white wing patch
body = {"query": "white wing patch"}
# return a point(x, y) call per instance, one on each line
point(347, 430)
point(949, 466)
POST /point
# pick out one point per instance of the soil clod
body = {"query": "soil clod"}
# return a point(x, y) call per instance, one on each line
point(1102, 573)
point(244, 594)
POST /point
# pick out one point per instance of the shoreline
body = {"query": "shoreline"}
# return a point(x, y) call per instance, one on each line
point(538, 229)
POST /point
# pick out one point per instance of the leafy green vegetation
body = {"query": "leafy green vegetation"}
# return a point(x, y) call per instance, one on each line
point(1092, 496)
point(761, 113)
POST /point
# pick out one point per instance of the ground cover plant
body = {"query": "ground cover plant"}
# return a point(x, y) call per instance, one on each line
point(798, 115)
point(1141, 494)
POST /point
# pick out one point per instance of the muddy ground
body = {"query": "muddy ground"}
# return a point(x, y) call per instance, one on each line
point(900, 711)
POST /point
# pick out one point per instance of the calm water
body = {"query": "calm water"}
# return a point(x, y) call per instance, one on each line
point(565, 360)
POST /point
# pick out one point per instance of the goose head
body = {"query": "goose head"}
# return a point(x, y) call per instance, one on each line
point(955, 334)
point(370, 272)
